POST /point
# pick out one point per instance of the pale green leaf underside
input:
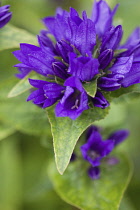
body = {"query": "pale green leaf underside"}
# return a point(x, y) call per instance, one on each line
point(66, 132)
point(90, 87)
point(76, 188)
point(22, 86)
point(10, 37)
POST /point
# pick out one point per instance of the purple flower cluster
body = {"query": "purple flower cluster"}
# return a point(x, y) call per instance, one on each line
point(5, 15)
point(96, 149)
point(75, 51)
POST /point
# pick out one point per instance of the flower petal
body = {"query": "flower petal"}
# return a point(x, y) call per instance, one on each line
point(94, 172)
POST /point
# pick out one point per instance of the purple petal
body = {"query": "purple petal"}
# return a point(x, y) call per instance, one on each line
point(122, 65)
point(119, 136)
point(57, 25)
point(23, 72)
point(60, 70)
point(21, 57)
point(28, 48)
point(5, 19)
point(75, 16)
point(49, 102)
point(74, 82)
point(37, 83)
point(100, 101)
point(53, 90)
point(94, 172)
point(45, 41)
point(133, 39)
point(92, 149)
point(112, 38)
point(40, 99)
point(84, 68)
point(85, 37)
point(90, 130)
point(132, 77)
point(74, 101)
point(49, 22)
point(106, 147)
point(109, 84)
point(95, 149)
point(102, 16)
point(105, 58)
point(41, 62)
point(63, 49)
point(35, 94)
point(5, 15)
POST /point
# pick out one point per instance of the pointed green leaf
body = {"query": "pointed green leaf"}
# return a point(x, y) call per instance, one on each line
point(76, 188)
point(66, 132)
point(10, 37)
point(91, 87)
point(22, 86)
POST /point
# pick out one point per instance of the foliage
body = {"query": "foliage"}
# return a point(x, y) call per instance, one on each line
point(26, 140)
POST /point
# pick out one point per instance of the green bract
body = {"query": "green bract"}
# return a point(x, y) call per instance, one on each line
point(76, 188)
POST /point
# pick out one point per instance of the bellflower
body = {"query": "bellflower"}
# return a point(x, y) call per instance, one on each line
point(75, 51)
point(5, 15)
point(96, 149)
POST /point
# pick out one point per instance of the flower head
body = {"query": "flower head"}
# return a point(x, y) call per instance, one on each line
point(96, 149)
point(5, 15)
point(81, 50)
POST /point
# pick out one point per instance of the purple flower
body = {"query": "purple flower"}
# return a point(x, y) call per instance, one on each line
point(100, 101)
point(5, 15)
point(96, 149)
point(75, 50)
point(74, 101)
point(47, 93)
point(94, 172)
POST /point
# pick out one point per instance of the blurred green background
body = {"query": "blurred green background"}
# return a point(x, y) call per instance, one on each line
point(26, 142)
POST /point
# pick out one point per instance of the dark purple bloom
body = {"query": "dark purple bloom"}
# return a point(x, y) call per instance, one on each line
point(105, 58)
point(33, 58)
point(94, 172)
point(119, 136)
point(75, 50)
point(100, 101)
point(5, 15)
point(47, 93)
point(96, 149)
point(74, 101)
